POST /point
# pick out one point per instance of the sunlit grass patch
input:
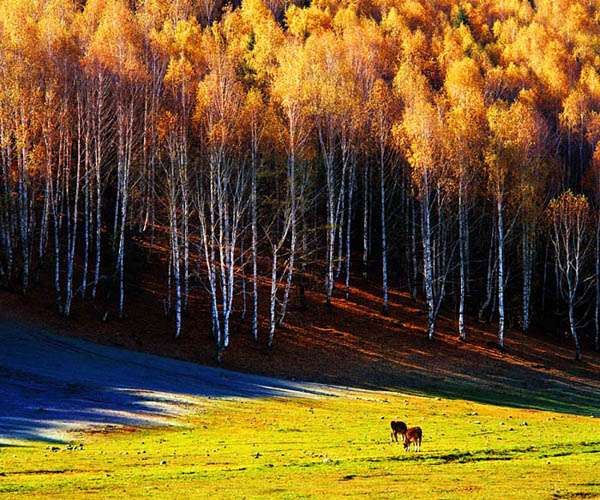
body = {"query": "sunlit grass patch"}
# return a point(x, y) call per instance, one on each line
point(321, 448)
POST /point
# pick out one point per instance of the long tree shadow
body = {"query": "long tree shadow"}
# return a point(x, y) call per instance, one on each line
point(50, 384)
point(517, 387)
point(381, 352)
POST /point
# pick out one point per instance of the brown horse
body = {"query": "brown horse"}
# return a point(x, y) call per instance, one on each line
point(398, 428)
point(413, 435)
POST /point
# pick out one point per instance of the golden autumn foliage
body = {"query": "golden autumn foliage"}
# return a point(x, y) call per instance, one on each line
point(487, 105)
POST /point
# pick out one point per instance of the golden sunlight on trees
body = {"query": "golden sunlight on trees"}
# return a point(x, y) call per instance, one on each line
point(288, 144)
point(569, 217)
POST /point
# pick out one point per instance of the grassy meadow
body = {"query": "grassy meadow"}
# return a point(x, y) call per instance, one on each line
point(330, 447)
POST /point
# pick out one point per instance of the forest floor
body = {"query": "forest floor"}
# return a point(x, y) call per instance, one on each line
point(350, 343)
point(87, 420)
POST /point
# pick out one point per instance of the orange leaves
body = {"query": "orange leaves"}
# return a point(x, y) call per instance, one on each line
point(218, 102)
point(575, 107)
point(421, 131)
point(304, 22)
point(165, 123)
point(116, 43)
point(264, 38)
point(569, 211)
point(464, 85)
point(180, 72)
point(384, 111)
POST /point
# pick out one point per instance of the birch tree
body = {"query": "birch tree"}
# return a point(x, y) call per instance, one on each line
point(222, 186)
point(466, 124)
point(569, 217)
point(421, 132)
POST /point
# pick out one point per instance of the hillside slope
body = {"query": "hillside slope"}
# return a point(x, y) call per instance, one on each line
point(350, 343)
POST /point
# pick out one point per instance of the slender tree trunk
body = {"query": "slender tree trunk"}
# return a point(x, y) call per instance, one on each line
point(597, 278)
point(254, 251)
point(365, 219)
point(461, 247)
point(527, 250)
point(349, 226)
point(573, 329)
point(288, 285)
point(428, 263)
point(273, 298)
point(383, 234)
point(545, 278)
point(98, 181)
point(24, 218)
point(413, 246)
point(176, 267)
point(73, 230)
point(330, 233)
point(340, 223)
point(500, 271)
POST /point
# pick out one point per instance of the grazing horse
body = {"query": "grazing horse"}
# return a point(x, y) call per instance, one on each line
point(398, 428)
point(413, 435)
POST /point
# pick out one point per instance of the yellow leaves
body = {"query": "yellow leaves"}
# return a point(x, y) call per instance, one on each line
point(415, 13)
point(593, 131)
point(464, 83)
point(187, 38)
point(590, 80)
point(264, 38)
point(575, 108)
point(515, 153)
point(410, 83)
point(55, 27)
point(36, 160)
point(304, 22)
point(21, 43)
point(254, 105)
point(154, 13)
point(326, 74)
point(569, 210)
point(465, 117)
point(203, 100)
point(421, 131)
point(383, 107)
point(506, 83)
point(180, 73)
point(182, 42)
point(219, 99)
point(345, 18)
point(116, 44)
point(499, 154)
point(291, 86)
point(255, 11)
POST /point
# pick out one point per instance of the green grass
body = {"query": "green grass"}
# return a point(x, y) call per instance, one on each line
point(336, 447)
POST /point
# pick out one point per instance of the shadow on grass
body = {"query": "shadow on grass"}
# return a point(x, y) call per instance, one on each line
point(522, 388)
point(49, 384)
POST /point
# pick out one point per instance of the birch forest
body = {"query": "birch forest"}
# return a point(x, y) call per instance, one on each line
point(448, 149)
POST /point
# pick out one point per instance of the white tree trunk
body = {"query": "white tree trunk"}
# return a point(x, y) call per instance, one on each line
point(273, 298)
point(527, 251)
point(254, 253)
point(461, 245)
point(573, 329)
point(383, 234)
point(349, 227)
point(427, 263)
point(500, 271)
point(597, 279)
point(365, 220)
